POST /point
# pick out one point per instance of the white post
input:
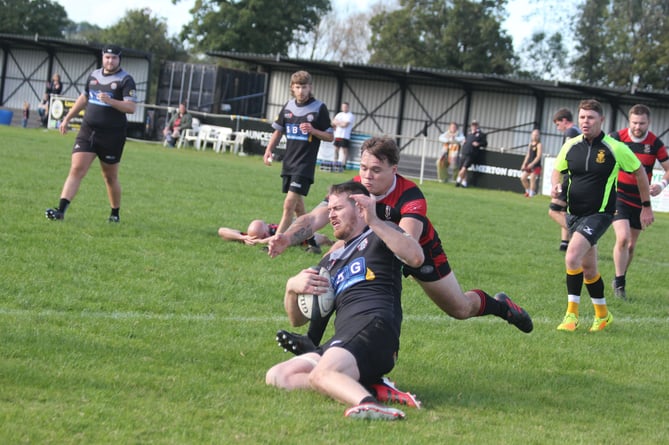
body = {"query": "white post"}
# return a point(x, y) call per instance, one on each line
point(422, 160)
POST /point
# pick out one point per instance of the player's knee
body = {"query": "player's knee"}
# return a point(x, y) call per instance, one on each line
point(271, 377)
point(317, 379)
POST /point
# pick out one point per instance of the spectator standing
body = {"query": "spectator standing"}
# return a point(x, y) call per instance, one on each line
point(26, 114)
point(591, 163)
point(43, 110)
point(452, 139)
point(343, 126)
point(305, 121)
point(108, 96)
point(474, 142)
point(557, 209)
point(627, 219)
point(531, 166)
point(55, 86)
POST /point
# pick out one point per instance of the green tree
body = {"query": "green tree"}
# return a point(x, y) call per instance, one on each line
point(339, 38)
point(83, 31)
point(459, 34)
point(28, 17)
point(544, 57)
point(620, 42)
point(256, 26)
point(140, 29)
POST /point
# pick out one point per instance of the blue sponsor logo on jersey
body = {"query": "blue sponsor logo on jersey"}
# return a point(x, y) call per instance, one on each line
point(293, 132)
point(349, 275)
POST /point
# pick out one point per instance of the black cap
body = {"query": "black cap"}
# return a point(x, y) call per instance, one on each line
point(111, 49)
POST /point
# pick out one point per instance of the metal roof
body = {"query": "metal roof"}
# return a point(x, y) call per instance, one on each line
point(475, 81)
point(15, 41)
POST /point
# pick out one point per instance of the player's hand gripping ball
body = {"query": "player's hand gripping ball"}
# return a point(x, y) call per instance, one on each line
point(314, 306)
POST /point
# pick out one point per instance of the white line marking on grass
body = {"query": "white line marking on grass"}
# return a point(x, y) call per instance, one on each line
point(276, 318)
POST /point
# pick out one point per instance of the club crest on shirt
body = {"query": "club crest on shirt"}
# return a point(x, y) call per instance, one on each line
point(114, 85)
point(601, 157)
point(287, 115)
point(363, 245)
point(310, 117)
point(646, 148)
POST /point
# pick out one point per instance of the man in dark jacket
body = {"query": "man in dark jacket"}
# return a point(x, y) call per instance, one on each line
point(476, 139)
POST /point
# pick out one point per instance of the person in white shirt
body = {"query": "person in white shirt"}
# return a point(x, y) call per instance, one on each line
point(343, 125)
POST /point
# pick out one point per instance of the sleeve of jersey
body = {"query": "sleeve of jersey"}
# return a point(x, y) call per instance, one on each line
point(561, 160)
point(415, 205)
point(129, 89)
point(662, 154)
point(323, 121)
point(279, 124)
point(626, 157)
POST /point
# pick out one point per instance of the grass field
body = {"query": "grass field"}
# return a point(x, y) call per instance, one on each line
point(154, 331)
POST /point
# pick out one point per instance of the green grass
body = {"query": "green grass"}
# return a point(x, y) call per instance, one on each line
point(155, 331)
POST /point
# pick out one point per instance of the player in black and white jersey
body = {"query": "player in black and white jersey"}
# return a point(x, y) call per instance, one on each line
point(306, 122)
point(366, 277)
point(109, 95)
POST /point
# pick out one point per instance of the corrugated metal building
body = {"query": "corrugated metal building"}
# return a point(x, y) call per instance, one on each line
point(406, 101)
point(26, 64)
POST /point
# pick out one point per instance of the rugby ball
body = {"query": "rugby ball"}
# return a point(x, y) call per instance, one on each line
point(317, 306)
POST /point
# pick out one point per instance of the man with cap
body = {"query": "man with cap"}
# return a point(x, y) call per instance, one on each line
point(476, 140)
point(108, 96)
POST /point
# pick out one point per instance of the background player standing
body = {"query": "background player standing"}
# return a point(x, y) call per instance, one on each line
point(305, 121)
point(109, 95)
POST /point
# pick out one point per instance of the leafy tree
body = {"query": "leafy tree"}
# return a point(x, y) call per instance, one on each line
point(455, 34)
point(620, 41)
point(83, 31)
point(544, 57)
point(256, 26)
point(28, 17)
point(140, 29)
point(343, 39)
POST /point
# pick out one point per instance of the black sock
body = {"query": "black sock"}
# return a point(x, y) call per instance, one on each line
point(368, 399)
point(620, 281)
point(63, 205)
point(490, 306)
point(312, 241)
point(114, 212)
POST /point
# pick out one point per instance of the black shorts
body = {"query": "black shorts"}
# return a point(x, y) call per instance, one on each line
point(592, 227)
point(107, 144)
point(342, 143)
point(628, 212)
point(434, 268)
point(372, 342)
point(296, 184)
point(466, 161)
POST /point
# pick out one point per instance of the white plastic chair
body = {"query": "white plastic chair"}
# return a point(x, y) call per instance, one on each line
point(238, 143)
point(224, 138)
point(190, 135)
point(206, 135)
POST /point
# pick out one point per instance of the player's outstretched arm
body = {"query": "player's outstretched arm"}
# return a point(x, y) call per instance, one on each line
point(299, 231)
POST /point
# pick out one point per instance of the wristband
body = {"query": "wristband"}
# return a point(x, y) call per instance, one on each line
point(645, 204)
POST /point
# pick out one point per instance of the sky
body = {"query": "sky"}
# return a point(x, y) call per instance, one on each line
point(177, 15)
